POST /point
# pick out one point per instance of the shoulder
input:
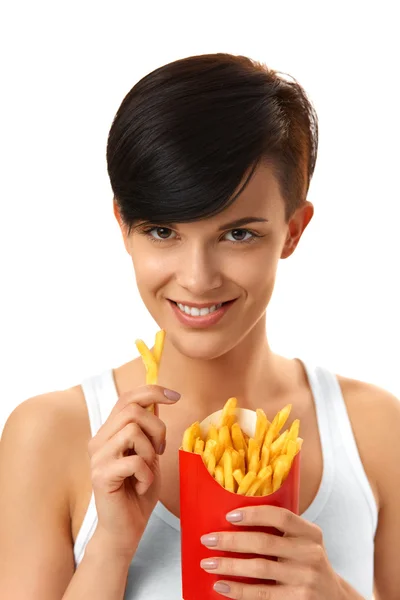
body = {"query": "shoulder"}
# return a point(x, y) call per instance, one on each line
point(374, 413)
point(46, 431)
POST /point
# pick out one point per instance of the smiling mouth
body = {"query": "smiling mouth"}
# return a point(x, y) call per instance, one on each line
point(200, 311)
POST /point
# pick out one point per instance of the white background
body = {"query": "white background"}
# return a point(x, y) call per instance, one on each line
point(69, 305)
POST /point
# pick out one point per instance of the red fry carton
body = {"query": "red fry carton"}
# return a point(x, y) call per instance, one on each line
point(204, 504)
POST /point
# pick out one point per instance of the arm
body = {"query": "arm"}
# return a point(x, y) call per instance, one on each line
point(36, 547)
point(387, 538)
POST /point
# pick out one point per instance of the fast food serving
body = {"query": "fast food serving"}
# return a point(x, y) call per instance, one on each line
point(249, 466)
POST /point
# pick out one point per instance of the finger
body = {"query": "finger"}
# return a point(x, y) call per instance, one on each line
point(108, 478)
point(131, 437)
point(258, 568)
point(274, 516)
point(255, 542)
point(243, 591)
point(151, 425)
point(144, 395)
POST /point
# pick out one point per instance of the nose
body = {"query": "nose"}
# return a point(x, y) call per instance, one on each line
point(199, 271)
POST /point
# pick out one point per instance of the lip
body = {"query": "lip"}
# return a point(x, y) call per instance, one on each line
point(197, 305)
point(206, 320)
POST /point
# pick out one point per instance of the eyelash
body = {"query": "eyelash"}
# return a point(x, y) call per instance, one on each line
point(146, 232)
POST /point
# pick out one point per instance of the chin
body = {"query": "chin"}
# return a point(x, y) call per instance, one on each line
point(200, 345)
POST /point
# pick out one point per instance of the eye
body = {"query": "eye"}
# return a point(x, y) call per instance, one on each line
point(238, 233)
point(162, 233)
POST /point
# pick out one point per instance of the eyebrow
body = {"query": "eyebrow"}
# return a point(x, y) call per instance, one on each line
point(242, 221)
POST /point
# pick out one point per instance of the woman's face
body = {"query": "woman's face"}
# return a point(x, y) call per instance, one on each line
point(213, 261)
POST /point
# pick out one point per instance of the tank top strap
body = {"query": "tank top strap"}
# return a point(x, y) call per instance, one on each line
point(336, 432)
point(100, 395)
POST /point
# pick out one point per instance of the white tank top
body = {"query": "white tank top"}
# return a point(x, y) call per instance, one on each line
point(344, 507)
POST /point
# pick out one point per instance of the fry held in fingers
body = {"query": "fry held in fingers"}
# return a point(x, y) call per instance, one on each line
point(151, 360)
point(246, 465)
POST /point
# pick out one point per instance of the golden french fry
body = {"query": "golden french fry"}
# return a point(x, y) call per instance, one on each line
point(277, 446)
point(228, 472)
point(292, 435)
point(209, 449)
point(253, 489)
point(198, 446)
point(299, 443)
point(284, 415)
point(149, 362)
point(261, 426)
point(158, 346)
point(237, 437)
point(266, 487)
point(224, 437)
point(291, 449)
point(242, 455)
point(230, 420)
point(236, 460)
point(238, 475)
point(219, 475)
point(248, 479)
point(253, 455)
point(189, 437)
point(228, 410)
point(278, 474)
point(265, 454)
point(152, 360)
point(212, 433)
point(211, 463)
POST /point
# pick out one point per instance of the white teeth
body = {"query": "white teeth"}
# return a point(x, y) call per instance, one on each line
point(198, 312)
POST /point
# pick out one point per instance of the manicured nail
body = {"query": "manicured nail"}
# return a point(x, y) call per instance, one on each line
point(209, 540)
point(161, 449)
point(171, 395)
point(235, 516)
point(224, 588)
point(209, 563)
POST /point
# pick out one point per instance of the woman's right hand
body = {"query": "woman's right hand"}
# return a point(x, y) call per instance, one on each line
point(125, 471)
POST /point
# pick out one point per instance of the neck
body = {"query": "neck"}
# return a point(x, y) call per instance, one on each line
point(207, 384)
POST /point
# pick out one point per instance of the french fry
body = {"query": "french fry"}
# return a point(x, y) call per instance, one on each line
point(242, 454)
point(219, 475)
point(277, 446)
point(253, 455)
point(211, 463)
point(292, 434)
point(265, 454)
point(228, 472)
point(266, 487)
point(151, 360)
point(253, 489)
point(190, 435)
point(228, 410)
point(244, 486)
point(158, 346)
point(261, 426)
point(230, 420)
point(198, 446)
point(224, 437)
point(238, 475)
point(278, 474)
point(209, 449)
point(212, 433)
point(237, 437)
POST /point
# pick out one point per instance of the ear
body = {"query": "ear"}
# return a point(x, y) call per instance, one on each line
point(121, 224)
point(297, 224)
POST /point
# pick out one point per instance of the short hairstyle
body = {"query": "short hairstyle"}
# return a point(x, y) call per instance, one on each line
point(186, 135)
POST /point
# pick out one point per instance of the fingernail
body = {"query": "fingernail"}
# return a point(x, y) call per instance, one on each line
point(161, 449)
point(171, 395)
point(224, 588)
point(234, 516)
point(209, 540)
point(209, 563)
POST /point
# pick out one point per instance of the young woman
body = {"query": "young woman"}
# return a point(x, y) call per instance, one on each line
point(210, 160)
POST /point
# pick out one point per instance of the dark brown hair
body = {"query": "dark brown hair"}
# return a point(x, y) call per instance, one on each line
point(187, 133)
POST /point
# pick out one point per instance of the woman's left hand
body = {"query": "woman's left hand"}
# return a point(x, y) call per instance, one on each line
point(302, 571)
